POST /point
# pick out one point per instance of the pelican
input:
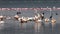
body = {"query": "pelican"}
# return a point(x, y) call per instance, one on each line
point(16, 17)
point(47, 20)
point(2, 17)
point(30, 18)
point(53, 20)
point(51, 17)
point(36, 17)
point(42, 16)
point(22, 20)
point(39, 20)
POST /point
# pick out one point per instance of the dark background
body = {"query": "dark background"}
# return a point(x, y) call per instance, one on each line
point(29, 0)
point(29, 3)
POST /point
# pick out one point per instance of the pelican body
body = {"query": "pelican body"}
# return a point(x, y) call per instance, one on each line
point(16, 17)
point(1, 18)
point(53, 20)
point(47, 20)
point(22, 20)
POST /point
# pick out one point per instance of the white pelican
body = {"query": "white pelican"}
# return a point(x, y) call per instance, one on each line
point(1, 18)
point(37, 16)
point(19, 19)
point(53, 20)
point(22, 20)
point(42, 16)
point(47, 20)
point(16, 17)
point(39, 20)
point(30, 18)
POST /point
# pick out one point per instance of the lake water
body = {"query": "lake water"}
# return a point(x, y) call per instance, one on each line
point(15, 27)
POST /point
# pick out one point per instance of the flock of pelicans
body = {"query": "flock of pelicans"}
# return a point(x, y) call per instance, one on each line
point(37, 18)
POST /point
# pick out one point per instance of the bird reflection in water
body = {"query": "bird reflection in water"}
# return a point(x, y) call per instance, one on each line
point(1, 24)
point(23, 25)
point(39, 27)
point(53, 25)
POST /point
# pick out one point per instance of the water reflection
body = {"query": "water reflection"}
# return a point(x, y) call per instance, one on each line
point(47, 24)
point(1, 24)
point(23, 25)
point(39, 28)
point(53, 25)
